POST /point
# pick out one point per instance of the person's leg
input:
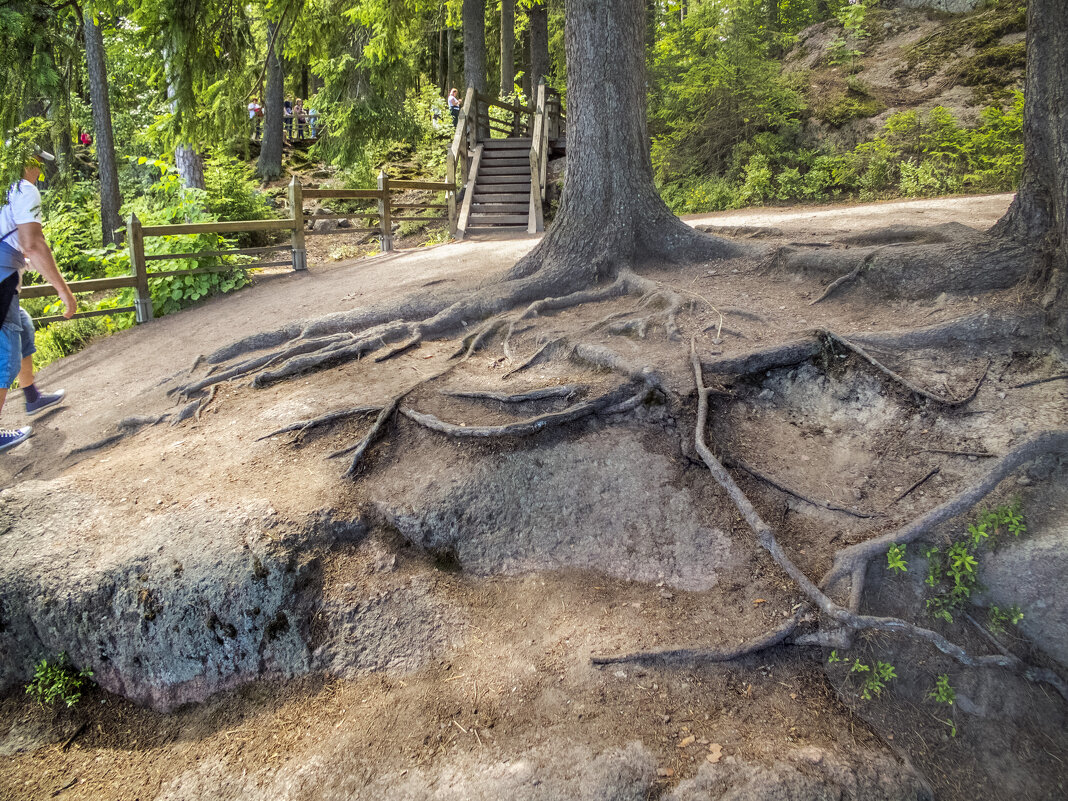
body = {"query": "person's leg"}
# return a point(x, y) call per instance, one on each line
point(9, 369)
point(36, 401)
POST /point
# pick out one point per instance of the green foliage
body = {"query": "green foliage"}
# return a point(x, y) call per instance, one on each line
point(874, 677)
point(895, 559)
point(58, 681)
point(952, 574)
point(943, 692)
point(998, 619)
point(914, 155)
point(69, 336)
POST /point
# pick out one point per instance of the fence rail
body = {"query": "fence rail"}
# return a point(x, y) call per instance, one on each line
point(136, 233)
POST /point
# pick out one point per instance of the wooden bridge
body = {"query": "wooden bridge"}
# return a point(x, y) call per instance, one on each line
point(501, 151)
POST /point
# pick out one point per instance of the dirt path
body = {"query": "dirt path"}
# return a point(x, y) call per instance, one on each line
point(120, 376)
point(420, 633)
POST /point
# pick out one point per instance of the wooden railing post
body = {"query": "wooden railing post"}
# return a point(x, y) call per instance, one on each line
point(139, 270)
point(384, 212)
point(296, 207)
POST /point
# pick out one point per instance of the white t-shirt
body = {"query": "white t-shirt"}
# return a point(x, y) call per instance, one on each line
point(23, 206)
point(253, 109)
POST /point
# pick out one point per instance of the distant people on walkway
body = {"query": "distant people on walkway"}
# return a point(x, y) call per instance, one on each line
point(287, 119)
point(313, 123)
point(85, 139)
point(255, 116)
point(300, 117)
point(454, 105)
point(21, 237)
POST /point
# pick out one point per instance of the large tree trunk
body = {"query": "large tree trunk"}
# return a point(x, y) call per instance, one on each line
point(269, 165)
point(507, 47)
point(1039, 214)
point(110, 198)
point(475, 45)
point(190, 164)
point(610, 213)
point(539, 42)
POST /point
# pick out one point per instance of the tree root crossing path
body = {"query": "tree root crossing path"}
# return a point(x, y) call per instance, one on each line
point(476, 517)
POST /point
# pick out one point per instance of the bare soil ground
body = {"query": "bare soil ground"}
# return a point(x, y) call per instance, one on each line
point(492, 682)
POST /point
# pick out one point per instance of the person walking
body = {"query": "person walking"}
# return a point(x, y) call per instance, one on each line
point(454, 106)
point(255, 115)
point(287, 119)
point(22, 238)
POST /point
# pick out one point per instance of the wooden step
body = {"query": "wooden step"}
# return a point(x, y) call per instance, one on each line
point(499, 208)
point(506, 162)
point(511, 141)
point(497, 219)
point(514, 172)
point(515, 183)
point(497, 152)
point(501, 197)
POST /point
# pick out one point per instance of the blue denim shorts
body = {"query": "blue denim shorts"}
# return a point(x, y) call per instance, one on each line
point(16, 342)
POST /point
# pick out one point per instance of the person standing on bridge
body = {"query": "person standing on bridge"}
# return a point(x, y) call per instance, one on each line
point(454, 106)
point(21, 237)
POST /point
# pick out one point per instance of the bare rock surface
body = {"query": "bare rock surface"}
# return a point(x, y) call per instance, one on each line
point(561, 772)
point(605, 501)
point(808, 774)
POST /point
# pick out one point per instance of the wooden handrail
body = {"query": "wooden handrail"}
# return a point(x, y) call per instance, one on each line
point(136, 233)
point(539, 146)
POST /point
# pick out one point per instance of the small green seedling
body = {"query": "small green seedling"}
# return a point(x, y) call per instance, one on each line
point(58, 681)
point(999, 619)
point(834, 657)
point(943, 691)
point(895, 559)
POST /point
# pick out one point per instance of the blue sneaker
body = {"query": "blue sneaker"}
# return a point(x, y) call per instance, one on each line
point(45, 400)
point(10, 437)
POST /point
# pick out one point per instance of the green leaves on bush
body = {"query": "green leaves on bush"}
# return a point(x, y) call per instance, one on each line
point(58, 681)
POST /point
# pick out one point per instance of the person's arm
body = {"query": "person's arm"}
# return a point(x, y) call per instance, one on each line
point(34, 247)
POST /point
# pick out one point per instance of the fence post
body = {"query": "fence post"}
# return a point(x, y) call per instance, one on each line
point(138, 269)
point(384, 212)
point(296, 208)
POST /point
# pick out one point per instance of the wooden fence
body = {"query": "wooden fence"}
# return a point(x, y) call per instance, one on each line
point(136, 233)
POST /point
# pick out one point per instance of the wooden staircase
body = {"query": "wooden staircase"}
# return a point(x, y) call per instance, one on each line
point(504, 178)
point(500, 199)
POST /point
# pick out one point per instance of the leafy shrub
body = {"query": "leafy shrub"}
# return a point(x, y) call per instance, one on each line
point(757, 186)
point(58, 681)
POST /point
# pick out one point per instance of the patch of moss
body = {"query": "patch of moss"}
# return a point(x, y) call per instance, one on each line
point(855, 103)
point(994, 67)
point(981, 31)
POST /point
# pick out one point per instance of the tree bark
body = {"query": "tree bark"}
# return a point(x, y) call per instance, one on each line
point(450, 70)
point(269, 165)
point(190, 164)
point(96, 70)
point(507, 47)
point(1039, 214)
point(474, 14)
point(539, 43)
point(610, 213)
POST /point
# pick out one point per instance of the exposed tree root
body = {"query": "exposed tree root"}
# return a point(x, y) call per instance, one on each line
point(740, 465)
point(845, 279)
point(842, 622)
point(882, 368)
point(854, 559)
point(126, 427)
point(1038, 381)
point(615, 400)
point(681, 656)
point(927, 477)
point(331, 417)
point(566, 391)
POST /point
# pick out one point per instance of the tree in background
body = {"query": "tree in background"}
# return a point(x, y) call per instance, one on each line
point(507, 47)
point(110, 199)
point(474, 21)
